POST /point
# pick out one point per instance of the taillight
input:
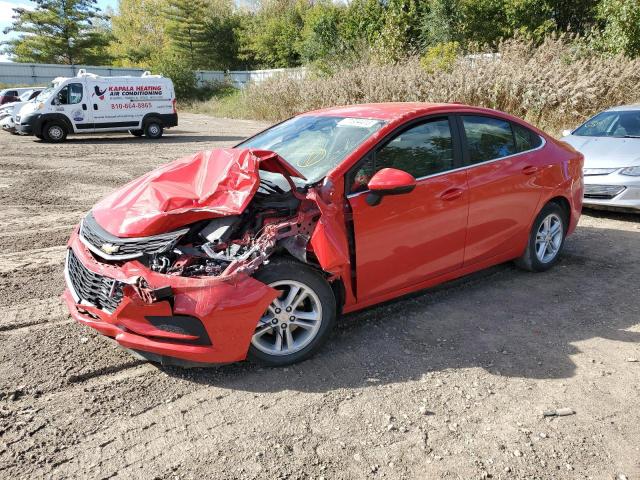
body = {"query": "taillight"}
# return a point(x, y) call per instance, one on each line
point(174, 103)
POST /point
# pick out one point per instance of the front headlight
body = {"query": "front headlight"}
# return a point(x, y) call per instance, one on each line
point(632, 171)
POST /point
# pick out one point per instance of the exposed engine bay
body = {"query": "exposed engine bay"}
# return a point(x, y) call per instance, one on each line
point(275, 219)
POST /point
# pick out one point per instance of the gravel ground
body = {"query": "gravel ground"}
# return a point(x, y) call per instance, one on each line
point(449, 383)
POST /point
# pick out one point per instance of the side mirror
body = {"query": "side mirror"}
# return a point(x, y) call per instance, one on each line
point(389, 181)
point(55, 101)
point(566, 133)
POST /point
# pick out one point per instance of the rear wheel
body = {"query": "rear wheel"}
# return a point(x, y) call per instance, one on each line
point(137, 132)
point(153, 129)
point(54, 132)
point(545, 240)
point(299, 321)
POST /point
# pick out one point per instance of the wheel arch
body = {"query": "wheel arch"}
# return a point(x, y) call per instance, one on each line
point(564, 204)
point(51, 117)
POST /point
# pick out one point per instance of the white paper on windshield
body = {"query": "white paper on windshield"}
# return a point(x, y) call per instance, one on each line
point(357, 122)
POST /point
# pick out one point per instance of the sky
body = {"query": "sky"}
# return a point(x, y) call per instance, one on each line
point(6, 12)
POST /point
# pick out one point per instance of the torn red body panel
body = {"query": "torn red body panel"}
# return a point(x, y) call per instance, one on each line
point(208, 184)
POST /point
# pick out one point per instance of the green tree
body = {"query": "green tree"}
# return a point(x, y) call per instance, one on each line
point(320, 35)
point(271, 37)
point(59, 31)
point(138, 31)
point(441, 23)
point(186, 29)
point(362, 24)
point(621, 33)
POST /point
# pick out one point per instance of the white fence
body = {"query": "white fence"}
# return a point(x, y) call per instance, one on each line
point(41, 74)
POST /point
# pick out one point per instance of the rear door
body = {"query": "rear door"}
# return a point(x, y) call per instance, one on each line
point(504, 192)
point(409, 238)
point(71, 101)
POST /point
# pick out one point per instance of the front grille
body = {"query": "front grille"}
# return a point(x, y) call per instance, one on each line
point(89, 287)
point(110, 247)
point(603, 192)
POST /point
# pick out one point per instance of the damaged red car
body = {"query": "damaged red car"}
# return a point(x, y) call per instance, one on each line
point(253, 251)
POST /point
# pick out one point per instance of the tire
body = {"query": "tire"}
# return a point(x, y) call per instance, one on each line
point(544, 246)
point(277, 327)
point(153, 129)
point(54, 132)
point(137, 133)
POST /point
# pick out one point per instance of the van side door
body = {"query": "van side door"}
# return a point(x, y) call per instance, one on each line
point(71, 101)
point(113, 104)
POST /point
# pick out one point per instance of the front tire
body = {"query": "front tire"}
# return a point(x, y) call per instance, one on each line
point(54, 132)
point(296, 324)
point(545, 240)
point(153, 129)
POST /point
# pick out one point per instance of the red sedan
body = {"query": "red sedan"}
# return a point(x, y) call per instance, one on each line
point(254, 250)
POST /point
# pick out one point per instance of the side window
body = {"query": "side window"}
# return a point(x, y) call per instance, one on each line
point(525, 138)
point(488, 138)
point(70, 94)
point(421, 150)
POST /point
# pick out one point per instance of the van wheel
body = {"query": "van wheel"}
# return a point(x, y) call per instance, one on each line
point(137, 133)
point(54, 132)
point(153, 129)
point(298, 322)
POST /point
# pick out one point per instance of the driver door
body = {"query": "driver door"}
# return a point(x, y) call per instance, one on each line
point(409, 238)
point(72, 102)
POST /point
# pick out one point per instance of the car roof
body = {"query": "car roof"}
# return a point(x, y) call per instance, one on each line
point(388, 111)
point(624, 108)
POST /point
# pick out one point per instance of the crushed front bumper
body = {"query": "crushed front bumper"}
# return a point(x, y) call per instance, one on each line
point(202, 320)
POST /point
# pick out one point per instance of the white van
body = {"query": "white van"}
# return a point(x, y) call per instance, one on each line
point(88, 103)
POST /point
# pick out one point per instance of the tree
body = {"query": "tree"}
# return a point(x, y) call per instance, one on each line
point(441, 23)
point(138, 31)
point(320, 35)
point(186, 28)
point(621, 33)
point(59, 31)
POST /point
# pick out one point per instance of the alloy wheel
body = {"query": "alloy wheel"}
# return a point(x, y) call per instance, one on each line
point(549, 238)
point(55, 132)
point(291, 322)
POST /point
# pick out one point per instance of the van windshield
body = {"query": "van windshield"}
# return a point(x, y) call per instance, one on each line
point(46, 93)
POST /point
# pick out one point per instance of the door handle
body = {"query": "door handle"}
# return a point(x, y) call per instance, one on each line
point(95, 106)
point(452, 194)
point(529, 170)
point(84, 106)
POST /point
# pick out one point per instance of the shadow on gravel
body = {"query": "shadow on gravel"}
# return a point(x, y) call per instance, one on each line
point(507, 321)
point(173, 137)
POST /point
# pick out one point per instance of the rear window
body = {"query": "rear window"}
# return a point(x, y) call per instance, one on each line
point(491, 138)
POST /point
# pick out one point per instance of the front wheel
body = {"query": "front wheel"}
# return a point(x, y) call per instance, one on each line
point(299, 320)
point(545, 240)
point(54, 132)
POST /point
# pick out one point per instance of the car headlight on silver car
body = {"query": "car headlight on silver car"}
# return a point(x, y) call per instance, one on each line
point(632, 171)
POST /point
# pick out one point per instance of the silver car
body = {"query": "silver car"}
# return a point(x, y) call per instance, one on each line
point(610, 143)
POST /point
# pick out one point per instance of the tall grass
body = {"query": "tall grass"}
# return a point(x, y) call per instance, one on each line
point(555, 85)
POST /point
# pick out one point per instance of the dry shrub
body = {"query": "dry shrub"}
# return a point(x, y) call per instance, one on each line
point(554, 86)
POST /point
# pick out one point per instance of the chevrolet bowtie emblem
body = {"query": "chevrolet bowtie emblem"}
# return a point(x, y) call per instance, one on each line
point(109, 248)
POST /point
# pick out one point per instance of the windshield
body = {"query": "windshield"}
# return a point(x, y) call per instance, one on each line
point(46, 93)
point(621, 124)
point(25, 96)
point(315, 145)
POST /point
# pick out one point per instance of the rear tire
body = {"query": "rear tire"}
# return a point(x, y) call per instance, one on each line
point(296, 325)
point(546, 239)
point(54, 132)
point(137, 132)
point(153, 129)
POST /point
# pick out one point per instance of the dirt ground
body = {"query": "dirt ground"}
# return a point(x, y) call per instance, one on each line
point(451, 383)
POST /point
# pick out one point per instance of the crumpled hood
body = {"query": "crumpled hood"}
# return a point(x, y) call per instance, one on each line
point(208, 184)
point(606, 152)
